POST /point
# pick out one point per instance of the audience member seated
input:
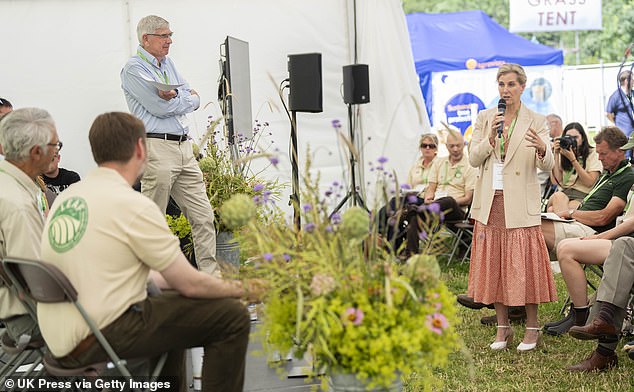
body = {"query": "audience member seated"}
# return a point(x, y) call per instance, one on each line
point(577, 166)
point(57, 178)
point(120, 236)
point(452, 179)
point(29, 140)
point(390, 222)
point(613, 296)
point(418, 176)
point(604, 202)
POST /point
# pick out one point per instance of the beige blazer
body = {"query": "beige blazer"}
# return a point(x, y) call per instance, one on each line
point(522, 194)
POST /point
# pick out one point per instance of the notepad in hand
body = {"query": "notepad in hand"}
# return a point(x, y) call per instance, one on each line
point(554, 217)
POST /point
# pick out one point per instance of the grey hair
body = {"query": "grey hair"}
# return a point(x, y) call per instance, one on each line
point(149, 25)
point(22, 129)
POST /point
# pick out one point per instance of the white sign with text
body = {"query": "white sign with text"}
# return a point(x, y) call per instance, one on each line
point(554, 15)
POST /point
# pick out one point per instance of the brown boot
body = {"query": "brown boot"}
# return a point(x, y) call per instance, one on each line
point(597, 329)
point(595, 363)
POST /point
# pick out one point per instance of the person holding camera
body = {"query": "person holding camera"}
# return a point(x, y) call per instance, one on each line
point(577, 165)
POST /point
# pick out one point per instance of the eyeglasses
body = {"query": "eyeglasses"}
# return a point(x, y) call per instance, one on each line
point(425, 145)
point(162, 36)
point(59, 145)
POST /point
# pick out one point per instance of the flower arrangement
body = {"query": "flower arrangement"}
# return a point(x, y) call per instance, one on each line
point(226, 174)
point(338, 291)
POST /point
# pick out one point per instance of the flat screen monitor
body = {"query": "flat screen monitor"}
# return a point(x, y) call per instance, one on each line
point(237, 73)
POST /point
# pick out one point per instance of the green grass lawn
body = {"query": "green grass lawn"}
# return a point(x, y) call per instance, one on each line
point(477, 368)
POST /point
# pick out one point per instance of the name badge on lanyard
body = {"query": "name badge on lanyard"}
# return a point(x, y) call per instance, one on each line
point(498, 179)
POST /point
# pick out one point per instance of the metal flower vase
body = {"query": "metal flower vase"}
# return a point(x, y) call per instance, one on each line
point(227, 250)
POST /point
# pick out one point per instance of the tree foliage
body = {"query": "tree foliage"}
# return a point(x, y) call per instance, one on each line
point(607, 45)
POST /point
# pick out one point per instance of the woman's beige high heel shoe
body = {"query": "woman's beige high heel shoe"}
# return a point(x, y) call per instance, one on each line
point(524, 347)
point(496, 346)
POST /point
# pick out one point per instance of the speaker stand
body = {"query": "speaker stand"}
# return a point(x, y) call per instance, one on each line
point(294, 198)
point(353, 192)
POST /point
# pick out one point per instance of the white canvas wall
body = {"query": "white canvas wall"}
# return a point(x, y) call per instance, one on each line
point(65, 56)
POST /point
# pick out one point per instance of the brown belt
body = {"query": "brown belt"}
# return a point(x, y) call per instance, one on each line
point(82, 346)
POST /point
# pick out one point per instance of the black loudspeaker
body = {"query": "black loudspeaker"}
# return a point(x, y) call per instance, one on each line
point(304, 71)
point(356, 84)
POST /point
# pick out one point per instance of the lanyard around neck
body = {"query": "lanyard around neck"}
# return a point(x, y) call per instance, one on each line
point(164, 77)
point(602, 181)
point(508, 136)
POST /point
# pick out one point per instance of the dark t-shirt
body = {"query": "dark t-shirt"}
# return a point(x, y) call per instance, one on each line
point(62, 181)
point(614, 185)
point(618, 105)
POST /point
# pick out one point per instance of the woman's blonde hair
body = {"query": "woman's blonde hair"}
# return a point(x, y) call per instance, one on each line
point(510, 67)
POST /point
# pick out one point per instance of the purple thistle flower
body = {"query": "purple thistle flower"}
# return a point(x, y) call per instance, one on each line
point(406, 186)
point(382, 160)
point(336, 124)
point(307, 207)
point(309, 227)
point(328, 193)
point(286, 257)
point(335, 218)
point(329, 229)
point(274, 161)
point(258, 187)
point(422, 235)
point(412, 199)
point(267, 256)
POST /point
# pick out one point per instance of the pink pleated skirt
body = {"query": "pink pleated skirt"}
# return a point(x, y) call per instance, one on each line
point(509, 266)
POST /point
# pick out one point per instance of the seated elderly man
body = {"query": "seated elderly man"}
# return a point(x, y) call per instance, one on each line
point(605, 201)
point(29, 141)
point(613, 296)
point(593, 249)
point(116, 237)
point(452, 179)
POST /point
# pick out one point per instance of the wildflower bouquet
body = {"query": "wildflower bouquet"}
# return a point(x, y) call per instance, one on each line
point(226, 174)
point(338, 291)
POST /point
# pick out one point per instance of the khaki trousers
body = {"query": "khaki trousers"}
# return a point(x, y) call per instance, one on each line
point(617, 281)
point(173, 170)
point(172, 323)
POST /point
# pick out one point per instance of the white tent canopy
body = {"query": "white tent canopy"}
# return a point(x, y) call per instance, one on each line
point(65, 56)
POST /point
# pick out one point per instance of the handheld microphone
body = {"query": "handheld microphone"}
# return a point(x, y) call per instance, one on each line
point(501, 109)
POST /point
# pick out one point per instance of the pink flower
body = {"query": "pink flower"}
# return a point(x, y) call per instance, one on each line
point(353, 315)
point(437, 322)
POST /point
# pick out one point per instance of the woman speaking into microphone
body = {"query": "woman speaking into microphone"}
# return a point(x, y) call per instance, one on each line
point(509, 259)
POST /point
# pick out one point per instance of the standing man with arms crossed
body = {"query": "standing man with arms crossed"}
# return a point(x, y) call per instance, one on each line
point(116, 236)
point(172, 168)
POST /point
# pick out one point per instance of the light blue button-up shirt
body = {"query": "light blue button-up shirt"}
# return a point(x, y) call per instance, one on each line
point(158, 115)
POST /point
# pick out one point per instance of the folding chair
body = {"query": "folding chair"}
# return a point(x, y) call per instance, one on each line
point(462, 235)
point(45, 283)
point(25, 351)
point(595, 269)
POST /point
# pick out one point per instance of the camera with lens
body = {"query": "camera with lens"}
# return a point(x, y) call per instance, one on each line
point(568, 142)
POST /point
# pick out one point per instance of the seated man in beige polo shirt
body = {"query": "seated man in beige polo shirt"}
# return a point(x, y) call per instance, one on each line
point(29, 141)
point(106, 238)
point(452, 179)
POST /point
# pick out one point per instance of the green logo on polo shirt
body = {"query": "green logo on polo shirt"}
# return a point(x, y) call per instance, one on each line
point(68, 224)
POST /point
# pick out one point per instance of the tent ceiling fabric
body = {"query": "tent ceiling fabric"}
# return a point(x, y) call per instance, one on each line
point(65, 56)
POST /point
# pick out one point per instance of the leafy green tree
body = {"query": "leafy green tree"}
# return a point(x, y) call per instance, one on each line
point(605, 45)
